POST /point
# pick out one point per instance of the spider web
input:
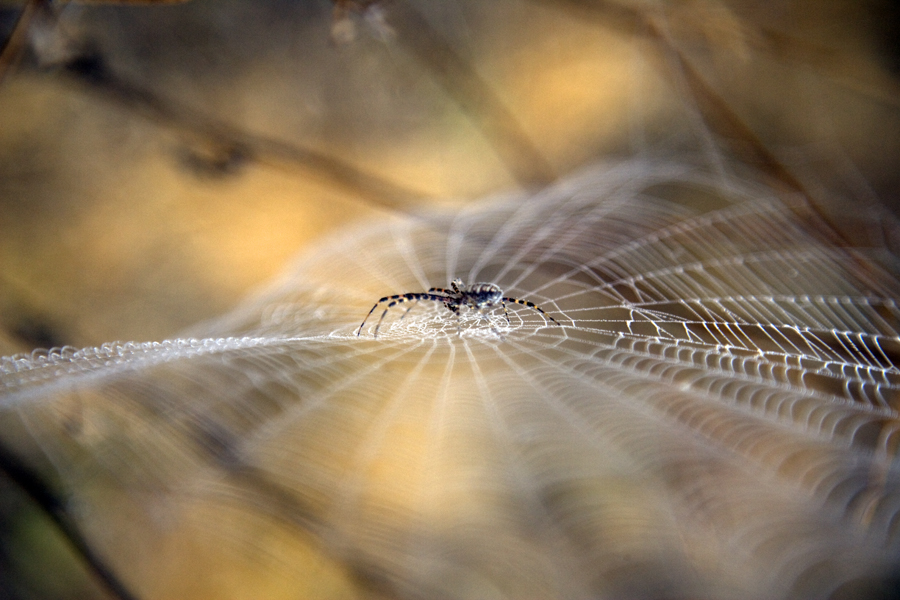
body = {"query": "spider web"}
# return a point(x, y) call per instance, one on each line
point(715, 415)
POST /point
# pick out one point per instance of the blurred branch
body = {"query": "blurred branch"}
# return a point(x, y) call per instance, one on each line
point(54, 508)
point(90, 69)
point(17, 42)
point(829, 61)
point(832, 62)
point(473, 95)
point(731, 130)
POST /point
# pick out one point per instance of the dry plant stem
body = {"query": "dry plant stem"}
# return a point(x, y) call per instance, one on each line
point(474, 96)
point(739, 138)
point(91, 71)
point(731, 130)
point(15, 46)
point(55, 510)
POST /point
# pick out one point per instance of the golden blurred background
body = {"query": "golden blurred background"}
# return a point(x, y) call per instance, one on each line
point(137, 205)
point(159, 161)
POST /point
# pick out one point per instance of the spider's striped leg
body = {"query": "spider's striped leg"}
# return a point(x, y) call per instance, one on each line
point(385, 299)
point(378, 326)
point(453, 307)
point(441, 290)
point(530, 305)
point(420, 296)
point(399, 299)
point(409, 309)
point(505, 312)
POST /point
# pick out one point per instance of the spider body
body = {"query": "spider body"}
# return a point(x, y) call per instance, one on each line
point(478, 296)
point(475, 296)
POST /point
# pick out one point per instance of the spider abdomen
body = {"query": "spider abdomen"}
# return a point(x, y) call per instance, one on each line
point(479, 295)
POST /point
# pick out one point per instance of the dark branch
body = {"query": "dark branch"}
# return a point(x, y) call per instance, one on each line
point(54, 507)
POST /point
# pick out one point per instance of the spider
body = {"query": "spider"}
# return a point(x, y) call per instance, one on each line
point(478, 296)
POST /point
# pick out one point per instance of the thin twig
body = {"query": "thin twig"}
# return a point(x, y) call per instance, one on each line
point(54, 507)
point(17, 41)
point(92, 71)
point(474, 96)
